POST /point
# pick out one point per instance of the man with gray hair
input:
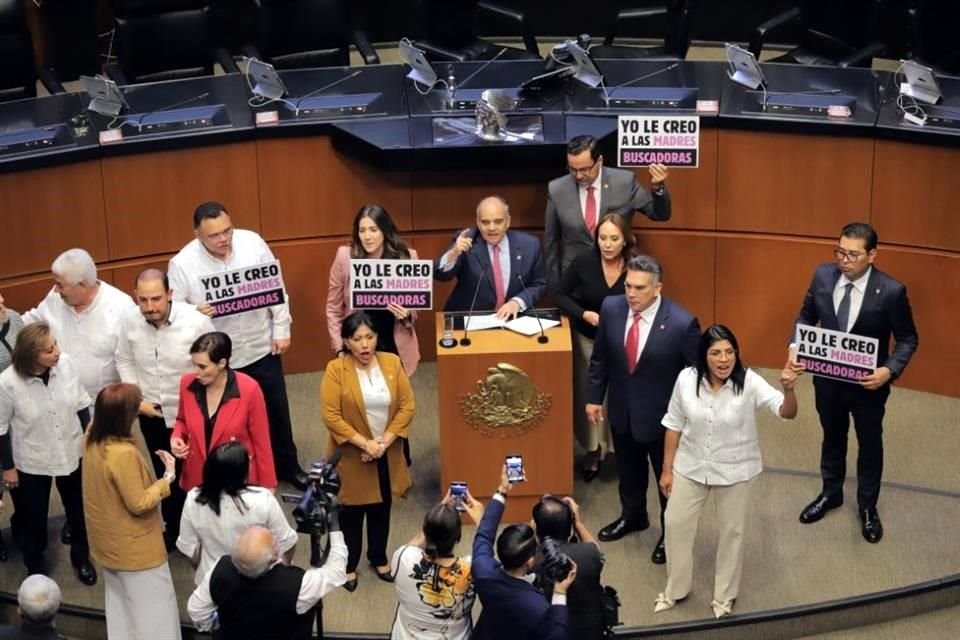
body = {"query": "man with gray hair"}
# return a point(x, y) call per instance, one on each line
point(644, 341)
point(38, 601)
point(251, 594)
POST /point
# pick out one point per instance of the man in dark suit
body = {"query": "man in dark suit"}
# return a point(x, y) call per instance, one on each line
point(643, 342)
point(853, 296)
point(512, 607)
point(577, 201)
point(38, 601)
point(559, 519)
point(504, 268)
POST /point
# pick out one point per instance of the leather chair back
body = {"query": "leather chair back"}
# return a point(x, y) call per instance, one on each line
point(295, 34)
point(19, 77)
point(163, 39)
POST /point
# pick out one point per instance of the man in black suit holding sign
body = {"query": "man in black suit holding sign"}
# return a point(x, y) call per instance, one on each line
point(852, 296)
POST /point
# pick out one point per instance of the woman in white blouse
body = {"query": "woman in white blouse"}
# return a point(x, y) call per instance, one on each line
point(219, 510)
point(711, 448)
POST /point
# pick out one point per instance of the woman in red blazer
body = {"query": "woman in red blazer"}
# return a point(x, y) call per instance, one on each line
point(218, 405)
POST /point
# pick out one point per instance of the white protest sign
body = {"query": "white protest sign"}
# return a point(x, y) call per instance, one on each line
point(374, 284)
point(244, 289)
point(835, 354)
point(670, 140)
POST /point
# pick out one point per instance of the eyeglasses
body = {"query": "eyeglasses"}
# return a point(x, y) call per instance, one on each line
point(583, 170)
point(847, 256)
point(225, 234)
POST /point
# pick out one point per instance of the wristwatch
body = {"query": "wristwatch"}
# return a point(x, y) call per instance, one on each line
point(170, 476)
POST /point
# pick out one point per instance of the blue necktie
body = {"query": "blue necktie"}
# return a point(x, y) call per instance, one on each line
point(843, 311)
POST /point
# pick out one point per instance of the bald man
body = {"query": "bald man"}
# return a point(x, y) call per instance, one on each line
point(252, 594)
point(503, 268)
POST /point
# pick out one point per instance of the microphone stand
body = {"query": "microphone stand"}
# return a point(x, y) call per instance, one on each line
point(465, 340)
point(542, 339)
point(607, 94)
point(325, 87)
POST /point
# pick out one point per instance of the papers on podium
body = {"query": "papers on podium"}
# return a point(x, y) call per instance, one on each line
point(524, 325)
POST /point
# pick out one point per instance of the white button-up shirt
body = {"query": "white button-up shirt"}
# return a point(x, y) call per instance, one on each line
point(252, 332)
point(155, 359)
point(90, 337)
point(718, 442)
point(45, 432)
point(856, 296)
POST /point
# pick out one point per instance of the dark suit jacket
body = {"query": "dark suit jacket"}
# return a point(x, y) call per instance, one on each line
point(884, 312)
point(637, 402)
point(526, 262)
point(564, 229)
point(30, 632)
point(512, 608)
point(585, 597)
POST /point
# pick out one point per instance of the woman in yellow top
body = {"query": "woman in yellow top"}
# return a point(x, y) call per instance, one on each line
point(124, 527)
point(368, 405)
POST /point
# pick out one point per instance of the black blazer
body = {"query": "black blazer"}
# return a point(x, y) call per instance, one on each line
point(885, 312)
point(637, 402)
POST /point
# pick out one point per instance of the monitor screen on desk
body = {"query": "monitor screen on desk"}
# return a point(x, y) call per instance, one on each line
point(744, 68)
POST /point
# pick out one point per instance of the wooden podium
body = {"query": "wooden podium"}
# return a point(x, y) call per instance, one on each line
point(482, 409)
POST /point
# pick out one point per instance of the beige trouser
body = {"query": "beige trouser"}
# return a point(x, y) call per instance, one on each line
point(589, 436)
point(686, 503)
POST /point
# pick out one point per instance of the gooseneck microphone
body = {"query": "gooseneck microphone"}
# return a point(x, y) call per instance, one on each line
point(465, 340)
point(608, 93)
point(542, 339)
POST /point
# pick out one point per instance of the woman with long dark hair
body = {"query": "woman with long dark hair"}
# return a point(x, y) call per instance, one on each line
point(711, 448)
point(374, 237)
point(224, 506)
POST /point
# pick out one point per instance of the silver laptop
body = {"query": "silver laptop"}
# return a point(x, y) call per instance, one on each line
point(586, 70)
point(107, 98)
point(420, 68)
point(921, 84)
point(265, 80)
point(744, 68)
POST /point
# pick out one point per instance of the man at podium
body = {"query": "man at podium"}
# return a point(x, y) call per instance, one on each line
point(503, 269)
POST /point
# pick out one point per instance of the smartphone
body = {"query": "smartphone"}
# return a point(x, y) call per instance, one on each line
point(458, 493)
point(515, 469)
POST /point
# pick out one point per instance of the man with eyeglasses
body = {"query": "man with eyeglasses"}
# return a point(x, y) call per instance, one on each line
point(259, 336)
point(578, 200)
point(852, 296)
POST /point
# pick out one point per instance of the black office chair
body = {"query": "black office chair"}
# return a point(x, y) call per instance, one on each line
point(676, 15)
point(451, 31)
point(19, 76)
point(298, 34)
point(830, 33)
point(932, 38)
point(164, 40)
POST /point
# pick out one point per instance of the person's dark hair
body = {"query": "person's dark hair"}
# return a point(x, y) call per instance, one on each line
point(114, 412)
point(517, 544)
point(646, 264)
point(207, 211)
point(553, 519)
point(621, 223)
point(29, 345)
point(353, 322)
point(225, 471)
point(216, 344)
point(716, 333)
point(579, 144)
point(393, 247)
point(861, 231)
point(441, 528)
point(152, 273)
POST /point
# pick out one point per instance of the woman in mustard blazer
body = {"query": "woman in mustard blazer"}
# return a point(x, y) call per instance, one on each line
point(368, 405)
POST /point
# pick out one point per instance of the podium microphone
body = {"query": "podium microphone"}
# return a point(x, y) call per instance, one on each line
point(542, 339)
point(465, 340)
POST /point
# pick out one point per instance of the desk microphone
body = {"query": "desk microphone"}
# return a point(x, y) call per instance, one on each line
point(168, 107)
point(543, 339)
point(607, 94)
point(482, 67)
point(325, 87)
point(465, 340)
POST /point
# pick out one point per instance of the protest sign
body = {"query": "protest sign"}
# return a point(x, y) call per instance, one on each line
point(244, 289)
point(670, 140)
point(376, 283)
point(835, 354)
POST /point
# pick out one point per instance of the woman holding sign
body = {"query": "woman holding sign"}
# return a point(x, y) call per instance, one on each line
point(367, 405)
point(711, 448)
point(374, 237)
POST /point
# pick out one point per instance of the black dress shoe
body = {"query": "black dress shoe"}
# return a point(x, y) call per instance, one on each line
point(619, 528)
point(659, 555)
point(87, 574)
point(818, 508)
point(351, 585)
point(872, 527)
point(66, 537)
point(3, 550)
point(589, 474)
point(386, 577)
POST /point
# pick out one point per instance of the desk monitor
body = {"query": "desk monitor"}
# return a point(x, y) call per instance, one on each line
point(34, 139)
point(420, 68)
point(107, 98)
point(800, 103)
point(652, 98)
point(585, 69)
point(357, 104)
point(744, 68)
point(921, 83)
point(265, 80)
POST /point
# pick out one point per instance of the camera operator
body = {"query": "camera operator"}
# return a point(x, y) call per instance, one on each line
point(554, 522)
point(512, 606)
point(251, 594)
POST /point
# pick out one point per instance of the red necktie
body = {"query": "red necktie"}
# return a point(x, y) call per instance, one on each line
point(633, 342)
point(498, 276)
point(590, 214)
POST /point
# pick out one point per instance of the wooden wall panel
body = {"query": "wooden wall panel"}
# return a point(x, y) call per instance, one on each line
point(693, 192)
point(150, 198)
point(915, 195)
point(448, 199)
point(23, 294)
point(307, 189)
point(792, 184)
point(46, 212)
point(688, 261)
point(125, 275)
point(431, 246)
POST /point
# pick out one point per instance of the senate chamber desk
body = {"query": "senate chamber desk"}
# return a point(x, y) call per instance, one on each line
point(749, 225)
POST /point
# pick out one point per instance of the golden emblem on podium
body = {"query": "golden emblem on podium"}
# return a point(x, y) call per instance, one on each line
point(505, 404)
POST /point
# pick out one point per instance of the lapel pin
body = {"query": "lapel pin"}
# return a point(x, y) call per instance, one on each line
point(662, 327)
point(878, 291)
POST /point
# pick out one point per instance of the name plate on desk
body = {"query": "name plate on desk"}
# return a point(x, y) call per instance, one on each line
point(37, 139)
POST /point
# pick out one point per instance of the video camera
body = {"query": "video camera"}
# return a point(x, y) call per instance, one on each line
point(555, 564)
point(318, 506)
